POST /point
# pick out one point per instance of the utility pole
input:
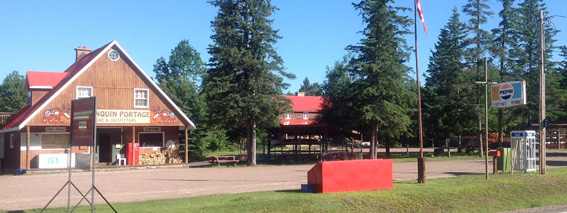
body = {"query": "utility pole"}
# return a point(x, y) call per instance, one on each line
point(542, 116)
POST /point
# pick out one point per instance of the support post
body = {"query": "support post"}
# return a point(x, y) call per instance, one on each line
point(28, 147)
point(486, 114)
point(186, 146)
point(133, 145)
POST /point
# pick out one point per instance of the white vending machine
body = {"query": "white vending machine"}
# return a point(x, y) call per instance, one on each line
point(523, 151)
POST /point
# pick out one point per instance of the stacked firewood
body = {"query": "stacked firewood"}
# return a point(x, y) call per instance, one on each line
point(170, 155)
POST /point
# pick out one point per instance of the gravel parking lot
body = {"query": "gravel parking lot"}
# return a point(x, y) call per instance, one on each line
point(126, 185)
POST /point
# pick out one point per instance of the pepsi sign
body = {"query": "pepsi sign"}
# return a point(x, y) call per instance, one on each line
point(509, 94)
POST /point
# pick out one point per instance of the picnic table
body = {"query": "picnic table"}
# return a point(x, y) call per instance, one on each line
point(228, 159)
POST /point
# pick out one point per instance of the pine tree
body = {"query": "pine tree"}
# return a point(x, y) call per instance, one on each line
point(13, 96)
point(447, 106)
point(379, 72)
point(527, 55)
point(310, 89)
point(478, 11)
point(505, 41)
point(337, 95)
point(244, 85)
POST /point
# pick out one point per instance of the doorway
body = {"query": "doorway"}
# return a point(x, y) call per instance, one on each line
point(109, 144)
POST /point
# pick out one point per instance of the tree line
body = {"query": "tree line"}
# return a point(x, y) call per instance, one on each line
point(238, 93)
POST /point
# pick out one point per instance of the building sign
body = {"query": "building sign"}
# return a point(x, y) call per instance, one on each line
point(55, 161)
point(152, 129)
point(56, 129)
point(105, 116)
point(83, 123)
point(509, 94)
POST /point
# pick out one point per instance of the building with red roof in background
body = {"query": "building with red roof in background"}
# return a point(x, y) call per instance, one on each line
point(301, 127)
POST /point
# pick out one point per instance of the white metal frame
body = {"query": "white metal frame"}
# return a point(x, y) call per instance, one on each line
point(523, 150)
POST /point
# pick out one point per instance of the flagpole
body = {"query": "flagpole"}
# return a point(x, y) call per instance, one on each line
point(420, 161)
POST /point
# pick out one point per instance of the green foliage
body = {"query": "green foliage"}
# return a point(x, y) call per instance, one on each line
point(310, 89)
point(243, 87)
point(13, 96)
point(180, 78)
point(448, 107)
point(337, 101)
point(379, 94)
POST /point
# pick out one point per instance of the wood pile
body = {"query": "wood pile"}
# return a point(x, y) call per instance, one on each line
point(170, 155)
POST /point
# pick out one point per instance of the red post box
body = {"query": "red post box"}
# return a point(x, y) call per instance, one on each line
point(135, 154)
point(494, 153)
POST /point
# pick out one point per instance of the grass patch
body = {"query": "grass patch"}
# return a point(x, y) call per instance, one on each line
point(472, 193)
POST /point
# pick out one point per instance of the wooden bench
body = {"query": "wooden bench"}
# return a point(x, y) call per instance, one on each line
point(224, 159)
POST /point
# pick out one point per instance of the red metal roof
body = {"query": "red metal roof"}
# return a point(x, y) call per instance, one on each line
point(306, 103)
point(50, 79)
point(287, 122)
point(26, 111)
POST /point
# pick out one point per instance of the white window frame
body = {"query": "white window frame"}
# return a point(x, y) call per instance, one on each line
point(11, 141)
point(162, 139)
point(23, 141)
point(288, 115)
point(305, 115)
point(84, 87)
point(147, 98)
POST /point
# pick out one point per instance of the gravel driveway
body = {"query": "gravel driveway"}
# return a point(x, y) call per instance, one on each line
point(35, 190)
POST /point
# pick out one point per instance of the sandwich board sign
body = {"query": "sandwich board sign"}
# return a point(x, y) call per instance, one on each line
point(83, 121)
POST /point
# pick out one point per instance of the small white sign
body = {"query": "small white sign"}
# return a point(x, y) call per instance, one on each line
point(56, 129)
point(55, 161)
point(152, 129)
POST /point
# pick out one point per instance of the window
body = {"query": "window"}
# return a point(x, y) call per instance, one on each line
point(35, 141)
point(11, 140)
point(288, 115)
point(141, 98)
point(305, 115)
point(113, 55)
point(150, 139)
point(55, 141)
point(39, 141)
point(84, 92)
point(29, 97)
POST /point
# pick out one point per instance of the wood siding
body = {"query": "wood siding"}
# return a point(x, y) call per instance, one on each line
point(36, 95)
point(113, 84)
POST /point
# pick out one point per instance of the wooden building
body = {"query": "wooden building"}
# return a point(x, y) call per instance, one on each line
point(301, 127)
point(130, 108)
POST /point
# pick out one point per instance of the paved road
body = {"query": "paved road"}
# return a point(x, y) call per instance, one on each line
point(35, 190)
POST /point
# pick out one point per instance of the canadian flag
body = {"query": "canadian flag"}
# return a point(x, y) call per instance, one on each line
point(420, 12)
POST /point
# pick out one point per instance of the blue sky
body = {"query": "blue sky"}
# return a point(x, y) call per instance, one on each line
point(42, 35)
